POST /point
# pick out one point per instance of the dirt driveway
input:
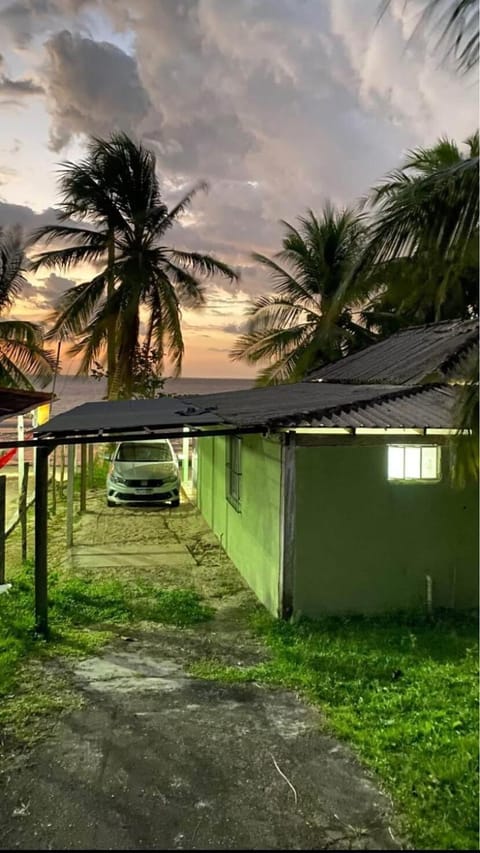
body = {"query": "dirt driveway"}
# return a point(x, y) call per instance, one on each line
point(157, 759)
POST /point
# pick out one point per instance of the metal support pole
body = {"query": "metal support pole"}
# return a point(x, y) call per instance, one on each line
point(41, 549)
point(54, 482)
point(70, 490)
point(21, 451)
point(3, 495)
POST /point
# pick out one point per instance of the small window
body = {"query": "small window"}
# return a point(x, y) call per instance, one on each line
point(234, 470)
point(413, 462)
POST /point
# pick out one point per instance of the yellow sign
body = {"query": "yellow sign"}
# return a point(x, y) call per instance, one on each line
point(43, 414)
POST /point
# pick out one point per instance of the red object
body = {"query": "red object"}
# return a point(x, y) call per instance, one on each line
point(6, 457)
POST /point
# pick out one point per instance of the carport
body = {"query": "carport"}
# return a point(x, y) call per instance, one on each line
point(103, 422)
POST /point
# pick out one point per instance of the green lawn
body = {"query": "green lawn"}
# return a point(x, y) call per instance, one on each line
point(84, 614)
point(404, 694)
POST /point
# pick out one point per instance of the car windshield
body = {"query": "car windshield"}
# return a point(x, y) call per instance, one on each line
point(144, 453)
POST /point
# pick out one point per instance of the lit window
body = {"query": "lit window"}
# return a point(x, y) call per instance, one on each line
point(234, 470)
point(413, 462)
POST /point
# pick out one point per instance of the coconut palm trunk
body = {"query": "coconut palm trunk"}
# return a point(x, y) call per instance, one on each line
point(111, 343)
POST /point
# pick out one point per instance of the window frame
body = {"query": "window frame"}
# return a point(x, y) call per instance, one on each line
point(416, 480)
point(233, 471)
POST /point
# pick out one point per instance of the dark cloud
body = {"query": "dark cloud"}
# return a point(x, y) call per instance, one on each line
point(26, 18)
point(21, 87)
point(25, 86)
point(93, 88)
point(28, 219)
point(235, 328)
point(47, 290)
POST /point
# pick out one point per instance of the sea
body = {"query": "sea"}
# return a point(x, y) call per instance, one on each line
point(71, 391)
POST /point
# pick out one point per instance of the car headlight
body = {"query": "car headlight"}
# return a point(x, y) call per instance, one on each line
point(116, 478)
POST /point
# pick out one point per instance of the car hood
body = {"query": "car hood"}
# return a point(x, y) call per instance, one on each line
point(146, 470)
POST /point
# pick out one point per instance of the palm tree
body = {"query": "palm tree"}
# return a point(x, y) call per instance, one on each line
point(22, 356)
point(115, 195)
point(420, 262)
point(458, 23)
point(288, 328)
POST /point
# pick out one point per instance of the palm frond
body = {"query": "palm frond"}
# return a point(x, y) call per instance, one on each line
point(205, 265)
point(190, 291)
point(181, 207)
point(12, 266)
point(168, 335)
point(75, 307)
point(68, 257)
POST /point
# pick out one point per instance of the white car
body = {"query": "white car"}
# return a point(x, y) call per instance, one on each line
point(143, 471)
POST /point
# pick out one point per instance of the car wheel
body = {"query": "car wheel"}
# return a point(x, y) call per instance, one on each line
point(175, 502)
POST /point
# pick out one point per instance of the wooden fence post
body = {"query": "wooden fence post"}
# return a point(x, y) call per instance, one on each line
point(22, 510)
point(3, 496)
point(83, 478)
point(70, 490)
point(62, 471)
point(91, 466)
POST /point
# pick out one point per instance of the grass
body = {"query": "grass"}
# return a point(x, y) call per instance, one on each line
point(404, 693)
point(84, 614)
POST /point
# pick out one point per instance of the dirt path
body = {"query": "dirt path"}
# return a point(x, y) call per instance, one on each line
point(157, 759)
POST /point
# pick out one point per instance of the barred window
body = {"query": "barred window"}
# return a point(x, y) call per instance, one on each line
point(234, 470)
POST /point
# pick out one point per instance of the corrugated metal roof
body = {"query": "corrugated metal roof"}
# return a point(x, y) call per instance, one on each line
point(336, 405)
point(276, 403)
point(15, 402)
point(123, 415)
point(424, 408)
point(314, 404)
point(417, 354)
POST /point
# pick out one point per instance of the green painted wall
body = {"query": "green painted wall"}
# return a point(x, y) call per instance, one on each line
point(250, 537)
point(366, 544)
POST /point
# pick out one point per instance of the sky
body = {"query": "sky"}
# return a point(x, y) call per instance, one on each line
point(279, 105)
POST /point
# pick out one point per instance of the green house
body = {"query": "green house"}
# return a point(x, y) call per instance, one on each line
point(332, 495)
point(335, 495)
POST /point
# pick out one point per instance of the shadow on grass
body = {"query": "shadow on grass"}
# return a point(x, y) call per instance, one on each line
point(404, 692)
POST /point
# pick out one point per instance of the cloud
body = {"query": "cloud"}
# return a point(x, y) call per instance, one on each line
point(20, 87)
point(279, 104)
point(12, 89)
point(26, 217)
point(48, 290)
point(93, 87)
point(235, 328)
point(6, 174)
point(23, 19)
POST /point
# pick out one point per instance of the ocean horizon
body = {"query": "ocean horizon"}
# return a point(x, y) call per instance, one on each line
point(71, 391)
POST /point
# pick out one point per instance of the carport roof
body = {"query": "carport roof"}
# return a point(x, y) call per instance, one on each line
point(112, 417)
point(304, 404)
point(16, 402)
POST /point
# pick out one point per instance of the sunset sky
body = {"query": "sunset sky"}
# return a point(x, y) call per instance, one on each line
point(278, 104)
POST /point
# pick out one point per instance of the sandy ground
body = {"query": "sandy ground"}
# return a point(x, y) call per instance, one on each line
point(157, 759)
